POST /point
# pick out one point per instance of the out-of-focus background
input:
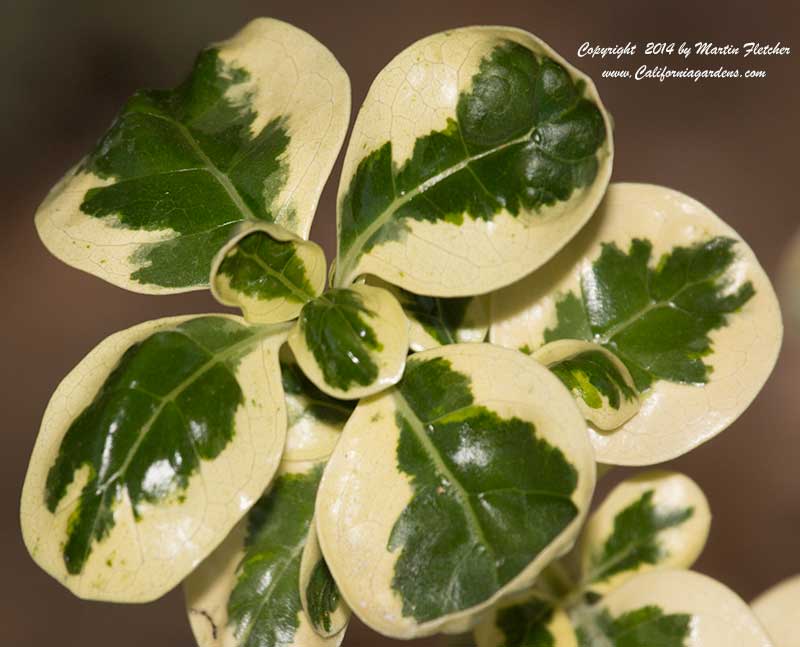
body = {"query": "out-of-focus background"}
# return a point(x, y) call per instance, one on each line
point(733, 144)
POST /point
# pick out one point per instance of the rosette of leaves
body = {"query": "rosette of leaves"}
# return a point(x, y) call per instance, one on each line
point(631, 588)
point(661, 284)
point(356, 445)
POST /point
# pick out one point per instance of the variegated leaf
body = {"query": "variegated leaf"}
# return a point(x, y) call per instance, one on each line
point(660, 281)
point(247, 594)
point(250, 136)
point(351, 342)
point(150, 450)
point(436, 321)
point(669, 609)
point(599, 380)
point(526, 621)
point(453, 488)
point(654, 520)
point(315, 419)
point(268, 272)
point(477, 154)
point(322, 602)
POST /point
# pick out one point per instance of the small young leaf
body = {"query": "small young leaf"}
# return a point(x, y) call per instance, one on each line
point(654, 520)
point(319, 593)
point(601, 383)
point(470, 168)
point(166, 431)
point(644, 627)
point(249, 136)
point(453, 488)
point(315, 419)
point(526, 621)
point(351, 342)
point(777, 609)
point(247, 594)
point(268, 272)
point(661, 282)
point(669, 609)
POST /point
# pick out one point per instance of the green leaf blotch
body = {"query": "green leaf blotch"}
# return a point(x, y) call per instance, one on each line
point(185, 161)
point(264, 606)
point(645, 627)
point(489, 495)
point(337, 332)
point(439, 317)
point(262, 267)
point(524, 137)
point(168, 404)
point(318, 404)
point(592, 375)
point(634, 540)
point(525, 625)
point(657, 320)
point(322, 595)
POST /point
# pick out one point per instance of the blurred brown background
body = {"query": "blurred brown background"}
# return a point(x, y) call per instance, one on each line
point(68, 66)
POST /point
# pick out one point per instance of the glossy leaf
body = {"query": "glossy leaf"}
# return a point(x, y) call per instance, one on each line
point(268, 272)
point(599, 380)
point(437, 321)
point(477, 154)
point(777, 608)
point(250, 136)
point(654, 520)
point(351, 342)
point(322, 601)
point(246, 594)
point(453, 488)
point(150, 450)
point(669, 609)
point(664, 284)
point(315, 419)
point(526, 621)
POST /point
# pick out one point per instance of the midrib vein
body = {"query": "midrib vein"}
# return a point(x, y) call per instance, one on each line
point(598, 572)
point(209, 165)
point(299, 294)
point(167, 399)
point(295, 553)
point(170, 397)
point(448, 333)
point(346, 266)
point(417, 426)
point(616, 329)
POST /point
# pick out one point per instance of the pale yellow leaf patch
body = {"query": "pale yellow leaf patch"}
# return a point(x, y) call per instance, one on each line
point(719, 617)
point(363, 493)
point(680, 545)
point(259, 310)
point(778, 609)
point(416, 93)
point(208, 588)
point(142, 559)
point(674, 418)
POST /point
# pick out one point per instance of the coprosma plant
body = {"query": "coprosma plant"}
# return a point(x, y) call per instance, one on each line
point(297, 463)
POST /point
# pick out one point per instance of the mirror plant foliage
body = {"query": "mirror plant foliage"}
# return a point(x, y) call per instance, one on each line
point(411, 435)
